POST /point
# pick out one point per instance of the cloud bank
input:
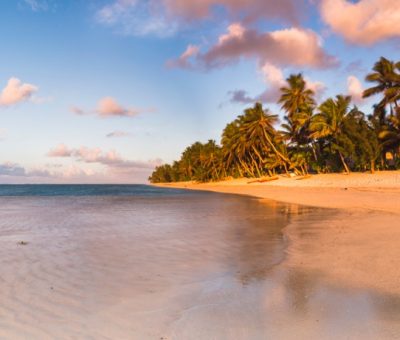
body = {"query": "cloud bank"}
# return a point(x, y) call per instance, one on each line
point(276, 47)
point(249, 10)
point(15, 170)
point(163, 17)
point(96, 155)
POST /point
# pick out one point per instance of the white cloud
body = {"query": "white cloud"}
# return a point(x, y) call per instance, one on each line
point(77, 110)
point(355, 89)
point(363, 22)
point(60, 150)
point(183, 61)
point(318, 87)
point(118, 133)
point(235, 31)
point(109, 107)
point(274, 80)
point(280, 48)
point(16, 92)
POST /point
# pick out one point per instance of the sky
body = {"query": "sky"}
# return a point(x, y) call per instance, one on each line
point(102, 91)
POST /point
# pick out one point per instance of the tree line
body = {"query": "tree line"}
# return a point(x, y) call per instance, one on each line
point(333, 136)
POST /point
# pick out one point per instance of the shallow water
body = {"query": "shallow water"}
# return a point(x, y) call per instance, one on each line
point(145, 263)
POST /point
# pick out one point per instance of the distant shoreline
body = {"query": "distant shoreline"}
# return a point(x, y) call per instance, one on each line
point(358, 246)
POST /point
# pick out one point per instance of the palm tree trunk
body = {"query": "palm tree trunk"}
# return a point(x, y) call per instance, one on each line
point(246, 168)
point(258, 155)
point(240, 171)
point(274, 148)
point(344, 163)
point(314, 152)
point(372, 166)
point(286, 169)
point(284, 158)
point(256, 166)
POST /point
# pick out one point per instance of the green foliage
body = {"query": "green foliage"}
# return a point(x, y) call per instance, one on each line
point(199, 162)
point(330, 137)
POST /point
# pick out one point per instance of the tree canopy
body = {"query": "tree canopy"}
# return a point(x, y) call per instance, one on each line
point(333, 136)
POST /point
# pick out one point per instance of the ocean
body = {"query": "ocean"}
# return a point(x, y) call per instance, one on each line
point(77, 190)
point(125, 261)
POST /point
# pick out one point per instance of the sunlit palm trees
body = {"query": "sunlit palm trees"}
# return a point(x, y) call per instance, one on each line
point(296, 98)
point(328, 125)
point(298, 102)
point(386, 77)
point(324, 138)
point(250, 140)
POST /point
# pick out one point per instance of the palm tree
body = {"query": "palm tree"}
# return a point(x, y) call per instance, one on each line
point(328, 124)
point(386, 77)
point(210, 162)
point(299, 103)
point(390, 135)
point(366, 148)
point(296, 98)
point(335, 137)
point(257, 125)
point(387, 82)
point(231, 144)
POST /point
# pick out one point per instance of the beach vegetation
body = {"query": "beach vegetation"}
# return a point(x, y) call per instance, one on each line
point(333, 136)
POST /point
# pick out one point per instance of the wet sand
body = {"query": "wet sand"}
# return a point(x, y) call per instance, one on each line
point(206, 266)
point(357, 247)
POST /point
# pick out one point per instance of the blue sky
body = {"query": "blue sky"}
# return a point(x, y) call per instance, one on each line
point(102, 91)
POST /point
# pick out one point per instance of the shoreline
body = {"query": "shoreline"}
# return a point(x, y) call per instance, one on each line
point(377, 192)
point(356, 247)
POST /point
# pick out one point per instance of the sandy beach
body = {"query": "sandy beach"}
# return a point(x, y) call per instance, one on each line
point(358, 246)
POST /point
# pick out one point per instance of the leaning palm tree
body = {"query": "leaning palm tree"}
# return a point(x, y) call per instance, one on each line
point(257, 125)
point(328, 125)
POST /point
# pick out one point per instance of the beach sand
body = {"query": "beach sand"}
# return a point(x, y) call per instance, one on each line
point(358, 246)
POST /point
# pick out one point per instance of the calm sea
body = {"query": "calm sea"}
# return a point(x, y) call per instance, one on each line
point(87, 190)
point(126, 261)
